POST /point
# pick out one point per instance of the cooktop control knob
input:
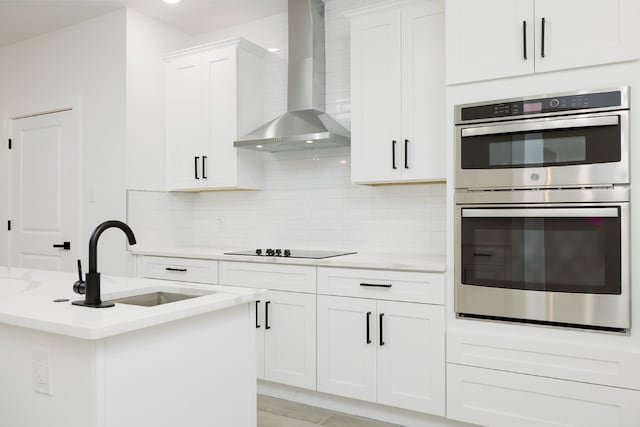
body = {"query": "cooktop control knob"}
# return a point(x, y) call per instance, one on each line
point(258, 252)
point(287, 252)
point(554, 103)
point(278, 252)
point(269, 252)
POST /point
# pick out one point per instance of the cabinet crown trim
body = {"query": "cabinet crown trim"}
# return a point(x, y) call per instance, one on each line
point(438, 6)
point(238, 42)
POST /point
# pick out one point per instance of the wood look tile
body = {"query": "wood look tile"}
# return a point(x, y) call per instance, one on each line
point(267, 419)
point(344, 420)
point(288, 409)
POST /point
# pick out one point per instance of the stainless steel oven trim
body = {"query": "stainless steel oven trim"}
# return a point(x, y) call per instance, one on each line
point(624, 104)
point(609, 311)
point(583, 121)
point(548, 176)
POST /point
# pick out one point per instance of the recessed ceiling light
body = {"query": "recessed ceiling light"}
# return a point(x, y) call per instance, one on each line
point(259, 146)
point(309, 142)
point(273, 50)
point(172, 1)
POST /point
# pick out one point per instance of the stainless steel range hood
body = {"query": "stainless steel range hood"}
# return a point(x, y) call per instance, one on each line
point(305, 125)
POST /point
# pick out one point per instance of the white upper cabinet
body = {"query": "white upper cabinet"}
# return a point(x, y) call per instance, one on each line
point(213, 96)
point(398, 95)
point(491, 39)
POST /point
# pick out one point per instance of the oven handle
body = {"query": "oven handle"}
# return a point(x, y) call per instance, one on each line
point(582, 122)
point(541, 213)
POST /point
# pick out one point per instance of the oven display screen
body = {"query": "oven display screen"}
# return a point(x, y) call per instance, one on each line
point(532, 107)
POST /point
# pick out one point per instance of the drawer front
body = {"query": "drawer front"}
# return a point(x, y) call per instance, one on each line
point(563, 359)
point(293, 278)
point(504, 399)
point(178, 269)
point(382, 284)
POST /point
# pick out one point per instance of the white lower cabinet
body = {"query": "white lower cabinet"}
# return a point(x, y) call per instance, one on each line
point(382, 351)
point(285, 319)
point(286, 339)
point(505, 399)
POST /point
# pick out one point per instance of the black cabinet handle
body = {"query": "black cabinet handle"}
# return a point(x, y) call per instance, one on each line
point(542, 36)
point(406, 154)
point(195, 165)
point(175, 269)
point(64, 245)
point(266, 315)
point(393, 154)
point(376, 285)
point(257, 305)
point(381, 338)
point(482, 254)
point(204, 167)
point(368, 327)
point(524, 39)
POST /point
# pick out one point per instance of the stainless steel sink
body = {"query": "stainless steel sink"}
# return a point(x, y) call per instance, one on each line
point(155, 298)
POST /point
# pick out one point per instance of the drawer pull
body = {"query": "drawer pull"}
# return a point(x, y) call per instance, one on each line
point(376, 285)
point(482, 254)
point(368, 331)
point(175, 269)
point(381, 338)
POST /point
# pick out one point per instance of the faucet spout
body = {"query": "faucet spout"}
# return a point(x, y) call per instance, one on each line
point(92, 286)
point(93, 241)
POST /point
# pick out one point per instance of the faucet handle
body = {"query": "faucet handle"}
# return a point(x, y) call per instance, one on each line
point(80, 287)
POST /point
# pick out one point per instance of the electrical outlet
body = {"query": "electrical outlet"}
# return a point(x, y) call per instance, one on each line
point(41, 371)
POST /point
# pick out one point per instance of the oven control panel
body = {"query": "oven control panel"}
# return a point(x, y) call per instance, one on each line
point(549, 104)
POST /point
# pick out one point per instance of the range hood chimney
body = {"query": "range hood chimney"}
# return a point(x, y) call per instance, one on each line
point(305, 125)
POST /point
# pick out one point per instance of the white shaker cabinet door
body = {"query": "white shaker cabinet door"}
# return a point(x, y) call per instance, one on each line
point(489, 39)
point(184, 122)
point(290, 339)
point(423, 93)
point(221, 112)
point(411, 365)
point(346, 353)
point(376, 97)
point(580, 33)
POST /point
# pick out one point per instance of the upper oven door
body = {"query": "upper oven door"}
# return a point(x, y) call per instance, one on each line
point(580, 150)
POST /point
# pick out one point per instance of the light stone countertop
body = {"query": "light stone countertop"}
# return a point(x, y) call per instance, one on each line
point(26, 300)
point(436, 264)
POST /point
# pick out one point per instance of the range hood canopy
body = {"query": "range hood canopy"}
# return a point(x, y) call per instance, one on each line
point(305, 125)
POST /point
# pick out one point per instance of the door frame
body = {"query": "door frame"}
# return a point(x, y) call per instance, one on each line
point(32, 109)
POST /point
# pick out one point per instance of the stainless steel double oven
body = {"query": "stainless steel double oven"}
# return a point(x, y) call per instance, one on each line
point(542, 210)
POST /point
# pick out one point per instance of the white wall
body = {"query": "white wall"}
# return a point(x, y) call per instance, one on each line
point(308, 200)
point(147, 41)
point(84, 61)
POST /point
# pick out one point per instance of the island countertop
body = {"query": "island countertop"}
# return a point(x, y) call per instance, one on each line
point(27, 300)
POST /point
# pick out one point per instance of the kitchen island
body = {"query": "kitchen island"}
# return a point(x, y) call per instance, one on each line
point(189, 362)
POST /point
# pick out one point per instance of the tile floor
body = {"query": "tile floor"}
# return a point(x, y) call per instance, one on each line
point(273, 412)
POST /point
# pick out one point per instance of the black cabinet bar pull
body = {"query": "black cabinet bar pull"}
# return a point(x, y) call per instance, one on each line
point(257, 305)
point(481, 254)
point(542, 48)
point(381, 338)
point(195, 165)
point(368, 326)
point(393, 154)
point(524, 39)
point(64, 245)
point(204, 167)
point(376, 285)
point(406, 154)
point(266, 315)
point(175, 269)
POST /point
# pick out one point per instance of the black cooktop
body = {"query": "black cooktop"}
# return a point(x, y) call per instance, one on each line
point(291, 253)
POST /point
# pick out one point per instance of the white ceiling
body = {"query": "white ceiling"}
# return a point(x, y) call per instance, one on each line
point(24, 19)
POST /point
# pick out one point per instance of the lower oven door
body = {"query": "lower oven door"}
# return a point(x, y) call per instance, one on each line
point(556, 263)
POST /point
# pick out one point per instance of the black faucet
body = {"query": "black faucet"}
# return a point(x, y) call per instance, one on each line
point(91, 288)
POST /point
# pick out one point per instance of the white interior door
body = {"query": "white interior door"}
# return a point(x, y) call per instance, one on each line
point(44, 194)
